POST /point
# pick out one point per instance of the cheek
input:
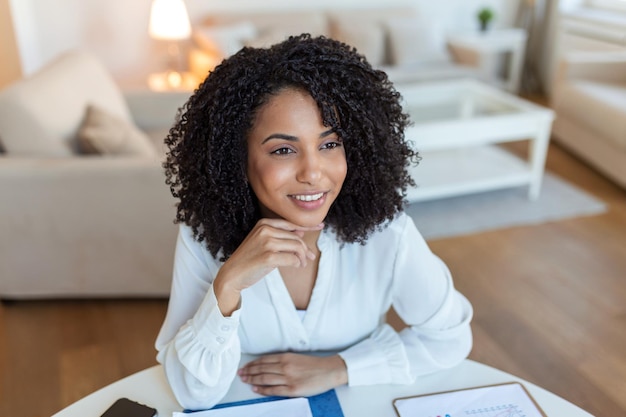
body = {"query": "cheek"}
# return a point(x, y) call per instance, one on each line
point(340, 169)
point(267, 176)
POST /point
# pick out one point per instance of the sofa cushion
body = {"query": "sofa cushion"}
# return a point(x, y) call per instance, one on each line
point(600, 106)
point(430, 71)
point(413, 41)
point(369, 40)
point(41, 115)
point(224, 40)
point(272, 27)
point(268, 38)
point(107, 134)
point(362, 19)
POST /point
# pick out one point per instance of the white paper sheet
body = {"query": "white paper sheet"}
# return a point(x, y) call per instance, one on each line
point(292, 407)
point(506, 400)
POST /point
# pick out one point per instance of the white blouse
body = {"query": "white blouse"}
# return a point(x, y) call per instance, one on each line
point(355, 287)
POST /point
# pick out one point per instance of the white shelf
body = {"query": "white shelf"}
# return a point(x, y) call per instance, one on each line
point(467, 170)
point(457, 124)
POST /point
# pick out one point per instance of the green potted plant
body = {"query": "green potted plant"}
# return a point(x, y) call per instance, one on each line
point(485, 16)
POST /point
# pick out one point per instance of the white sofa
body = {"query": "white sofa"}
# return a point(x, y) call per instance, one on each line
point(75, 224)
point(409, 47)
point(589, 98)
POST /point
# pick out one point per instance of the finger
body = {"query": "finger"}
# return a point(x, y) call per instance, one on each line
point(266, 229)
point(287, 244)
point(265, 379)
point(288, 226)
point(275, 390)
point(285, 255)
point(259, 369)
point(265, 359)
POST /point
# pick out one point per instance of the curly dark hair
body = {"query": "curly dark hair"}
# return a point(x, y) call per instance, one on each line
point(206, 161)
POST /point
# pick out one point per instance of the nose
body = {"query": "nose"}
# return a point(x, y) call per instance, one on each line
point(310, 168)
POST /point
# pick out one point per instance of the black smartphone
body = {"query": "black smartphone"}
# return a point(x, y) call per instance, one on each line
point(128, 408)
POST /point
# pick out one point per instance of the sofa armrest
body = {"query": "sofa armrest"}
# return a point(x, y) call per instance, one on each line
point(85, 226)
point(153, 110)
point(607, 67)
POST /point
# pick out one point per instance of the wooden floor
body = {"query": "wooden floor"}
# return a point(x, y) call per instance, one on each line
point(550, 306)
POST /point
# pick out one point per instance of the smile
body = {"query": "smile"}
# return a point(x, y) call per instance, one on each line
point(308, 197)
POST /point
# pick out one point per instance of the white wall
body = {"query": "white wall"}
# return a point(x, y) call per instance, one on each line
point(116, 30)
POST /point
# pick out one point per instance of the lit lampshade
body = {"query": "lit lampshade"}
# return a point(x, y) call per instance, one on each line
point(169, 20)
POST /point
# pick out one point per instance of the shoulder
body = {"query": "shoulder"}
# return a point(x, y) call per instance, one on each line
point(394, 230)
point(187, 246)
point(389, 235)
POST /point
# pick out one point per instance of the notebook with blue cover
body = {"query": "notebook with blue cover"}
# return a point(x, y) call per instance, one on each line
point(322, 405)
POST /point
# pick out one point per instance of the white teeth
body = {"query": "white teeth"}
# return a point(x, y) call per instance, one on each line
point(309, 197)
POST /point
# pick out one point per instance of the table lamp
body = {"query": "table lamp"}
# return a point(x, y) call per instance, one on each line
point(169, 21)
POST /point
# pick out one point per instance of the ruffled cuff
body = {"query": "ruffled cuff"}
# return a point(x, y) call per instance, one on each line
point(212, 329)
point(379, 359)
point(208, 344)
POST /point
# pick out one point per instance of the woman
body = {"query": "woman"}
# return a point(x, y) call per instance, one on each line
point(290, 165)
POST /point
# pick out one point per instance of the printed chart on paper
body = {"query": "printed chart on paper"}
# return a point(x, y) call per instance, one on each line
point(503, 400)
point(508, 410)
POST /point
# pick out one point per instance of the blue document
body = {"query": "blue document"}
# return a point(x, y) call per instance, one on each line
point(322, 405)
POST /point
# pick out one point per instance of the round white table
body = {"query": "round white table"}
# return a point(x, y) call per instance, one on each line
point(150, 387)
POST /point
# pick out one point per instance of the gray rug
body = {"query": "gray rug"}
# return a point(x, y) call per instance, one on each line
point(474, 213)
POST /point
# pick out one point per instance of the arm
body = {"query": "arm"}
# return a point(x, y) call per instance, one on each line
point(197, 345)
point(598, 66)
point(438, 317)
point(607, 67)
point(151, 110)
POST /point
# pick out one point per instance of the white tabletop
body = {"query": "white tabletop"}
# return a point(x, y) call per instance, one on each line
point(494, 40)
point(150, 387)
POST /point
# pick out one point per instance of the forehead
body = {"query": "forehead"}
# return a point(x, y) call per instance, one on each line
point(288, 107)
point(285, 98)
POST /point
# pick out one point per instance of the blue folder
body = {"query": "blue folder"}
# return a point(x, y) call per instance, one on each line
point(322, 405)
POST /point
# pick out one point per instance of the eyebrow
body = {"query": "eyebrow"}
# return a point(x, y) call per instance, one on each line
point(294, 138)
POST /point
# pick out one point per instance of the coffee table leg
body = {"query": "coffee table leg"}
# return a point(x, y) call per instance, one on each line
point(537, 158)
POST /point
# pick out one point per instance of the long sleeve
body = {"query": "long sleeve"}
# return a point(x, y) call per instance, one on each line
point(355, 287)
point(438, 335)
point(198, 347)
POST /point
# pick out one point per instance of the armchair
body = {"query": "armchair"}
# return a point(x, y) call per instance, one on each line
point(589, 98)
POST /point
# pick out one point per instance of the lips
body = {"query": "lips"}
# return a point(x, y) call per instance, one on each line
point(312, 201)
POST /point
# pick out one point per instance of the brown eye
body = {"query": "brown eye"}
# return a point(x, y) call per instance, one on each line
point(331, 145)
point(282, 151)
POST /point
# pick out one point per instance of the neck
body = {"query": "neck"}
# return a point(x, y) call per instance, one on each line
point(310, 238)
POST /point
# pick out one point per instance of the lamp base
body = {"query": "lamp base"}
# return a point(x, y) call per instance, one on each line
point(172, 81)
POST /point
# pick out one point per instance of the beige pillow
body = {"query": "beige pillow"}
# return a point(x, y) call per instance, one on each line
point(107, 134)
point(368, 39)
point(416, 41)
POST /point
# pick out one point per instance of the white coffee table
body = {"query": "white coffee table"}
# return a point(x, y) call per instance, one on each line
point(150, 387)
point(457, 125)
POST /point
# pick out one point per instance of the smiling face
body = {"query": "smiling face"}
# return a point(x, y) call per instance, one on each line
point(296, 165)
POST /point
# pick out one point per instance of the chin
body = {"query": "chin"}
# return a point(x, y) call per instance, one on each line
point(307, 221)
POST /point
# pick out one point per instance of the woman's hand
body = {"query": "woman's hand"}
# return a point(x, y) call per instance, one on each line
point(272, 243)
point(294, 375)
